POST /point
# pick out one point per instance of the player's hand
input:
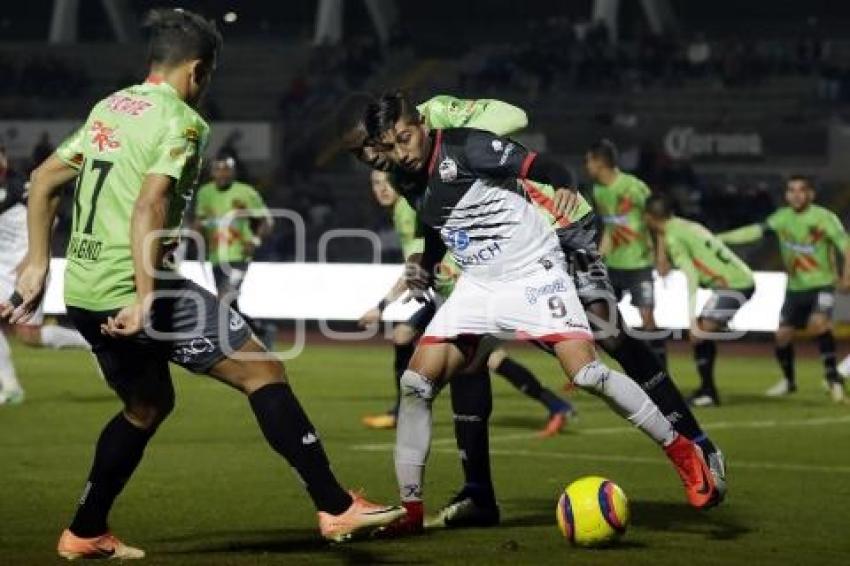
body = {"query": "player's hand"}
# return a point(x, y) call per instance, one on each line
point(29, 290)
point(371, 317)
point(566, 202)
point(128, 322)
point(416, 278)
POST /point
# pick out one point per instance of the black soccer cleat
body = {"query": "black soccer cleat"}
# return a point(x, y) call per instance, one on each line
point(463, 512)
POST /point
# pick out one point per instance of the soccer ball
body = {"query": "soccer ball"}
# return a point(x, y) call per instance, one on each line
point(592, 511)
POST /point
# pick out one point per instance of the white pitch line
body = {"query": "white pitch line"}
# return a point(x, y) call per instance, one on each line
point(733, 465)
point(719, 425)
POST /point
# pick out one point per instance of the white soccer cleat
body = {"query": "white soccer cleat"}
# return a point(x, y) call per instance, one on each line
point(12, 397)
point(836, 393)
point(782, 388)
point(844, 367)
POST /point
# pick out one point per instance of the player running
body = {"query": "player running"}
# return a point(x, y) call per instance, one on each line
point(136, 161)
point(406, 333)
point(13, 249)
point(626, 245)
point(514, 281)
point(708, 263)
point(809, 236)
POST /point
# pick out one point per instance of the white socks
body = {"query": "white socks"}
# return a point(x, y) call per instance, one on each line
point(627, 398)
point(8, 379)
point(413, 433)
point(54, 336)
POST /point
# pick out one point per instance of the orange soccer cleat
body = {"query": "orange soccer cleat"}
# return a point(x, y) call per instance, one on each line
point(695, 473)
point(73, 547)
point(360, 517)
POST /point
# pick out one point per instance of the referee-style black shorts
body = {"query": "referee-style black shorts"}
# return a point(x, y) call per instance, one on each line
point(799, 306)
point(188, 326)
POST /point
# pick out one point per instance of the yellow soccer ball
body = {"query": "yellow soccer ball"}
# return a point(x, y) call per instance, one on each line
point(592, 511)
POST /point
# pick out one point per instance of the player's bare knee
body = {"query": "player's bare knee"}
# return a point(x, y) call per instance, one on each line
point(574, 355)
point(820, 324)
point(28, 334)
point(784, 335)
point(495, 359)
point(403, 335)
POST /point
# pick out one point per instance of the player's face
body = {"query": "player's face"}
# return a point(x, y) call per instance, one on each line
point(593, 166)
point(357, 143)
point(384, 192)
point(223, 173)
point(409, 143)
point(798, 195)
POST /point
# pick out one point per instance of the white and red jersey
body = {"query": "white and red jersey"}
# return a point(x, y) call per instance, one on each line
point(481, 210)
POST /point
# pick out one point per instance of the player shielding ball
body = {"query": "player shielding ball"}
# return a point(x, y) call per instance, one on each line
point(809, 238)
point(708, 263)
point(136, 161)
point(514, 282)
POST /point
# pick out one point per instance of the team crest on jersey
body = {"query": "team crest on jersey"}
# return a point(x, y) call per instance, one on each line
point(498, 146)
point(458, 240)
point(103, 138)
point(448, 170)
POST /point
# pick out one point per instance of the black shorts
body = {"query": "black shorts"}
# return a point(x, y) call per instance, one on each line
point(725, 303)
point(188, 327)
point(579, 242)
point(638, 282)
point(799, 306)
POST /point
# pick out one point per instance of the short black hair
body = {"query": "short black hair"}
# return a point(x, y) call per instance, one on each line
point(352, 113)
point(178, 35)
point(805, 179)
point(659, 206)
point(605, 150)
point(389, 109)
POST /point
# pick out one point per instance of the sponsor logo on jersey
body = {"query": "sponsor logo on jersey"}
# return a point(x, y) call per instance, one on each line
point(481, 256)
point(498, 146)
point(532, 294)
point(103, 137)
point(123, 104)
point(448, 170)
point(457, 240)
point(84, 247)
point(808, 249)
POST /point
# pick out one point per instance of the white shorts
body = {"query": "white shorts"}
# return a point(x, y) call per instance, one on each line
point(543, 306)
point(13, 248)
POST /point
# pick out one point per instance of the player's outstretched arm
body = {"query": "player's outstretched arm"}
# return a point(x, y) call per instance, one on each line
point(45, 183)
point(146, 225)
point(743, 235)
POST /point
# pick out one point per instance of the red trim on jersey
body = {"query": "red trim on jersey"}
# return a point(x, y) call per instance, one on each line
point(425, 340)
point(540, 199)
point(556, 337)
point(435, 151)
point(526, 164)
point(154, 79)
point(707, 271)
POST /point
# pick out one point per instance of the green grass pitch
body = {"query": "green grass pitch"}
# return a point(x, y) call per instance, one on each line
point(210, 491)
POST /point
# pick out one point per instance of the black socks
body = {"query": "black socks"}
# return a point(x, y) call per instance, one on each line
point(521, 377)
point(472, 403)
point(826, 345)
point(705, 353)
point(288, 430)
point(785, 357)
point(117, 454)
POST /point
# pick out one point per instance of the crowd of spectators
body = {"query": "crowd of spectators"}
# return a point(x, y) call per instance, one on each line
point(561, 54)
